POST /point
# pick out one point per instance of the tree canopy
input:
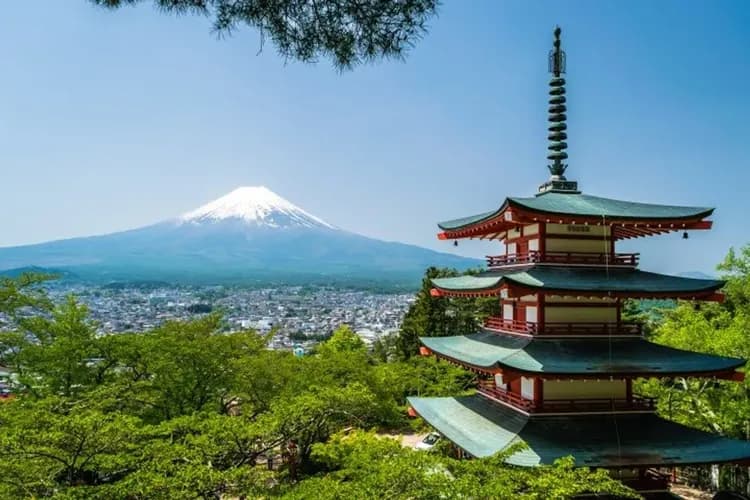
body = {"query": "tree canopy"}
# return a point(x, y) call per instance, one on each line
point(349, 32)
point(188, 411)
point(718, 406)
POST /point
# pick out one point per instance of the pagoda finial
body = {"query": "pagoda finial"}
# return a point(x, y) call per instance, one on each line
point(557, 126)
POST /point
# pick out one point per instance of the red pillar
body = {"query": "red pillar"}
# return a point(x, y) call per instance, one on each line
point(540, 314)
point(538, 392)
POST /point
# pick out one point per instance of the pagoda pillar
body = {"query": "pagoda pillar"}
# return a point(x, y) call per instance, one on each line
point(629, 390)
point(538, 392)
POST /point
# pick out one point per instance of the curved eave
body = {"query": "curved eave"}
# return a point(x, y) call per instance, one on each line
point(624, 225)
point(691, 213)
point(497, 353)
point(575, 281)
point(483, 429)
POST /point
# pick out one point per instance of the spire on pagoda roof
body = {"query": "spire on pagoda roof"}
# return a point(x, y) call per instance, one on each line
point(557, 124)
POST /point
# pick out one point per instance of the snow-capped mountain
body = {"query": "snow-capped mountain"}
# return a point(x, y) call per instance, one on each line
point(250, 234)
point(256, 205)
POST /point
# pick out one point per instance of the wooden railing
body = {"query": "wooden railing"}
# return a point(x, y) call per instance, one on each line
point(579, 258)
point(563, 329)
point(489, 390)
point(509, 325)
point(584, 405)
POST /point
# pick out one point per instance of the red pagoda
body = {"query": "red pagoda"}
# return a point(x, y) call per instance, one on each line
point(556, 368)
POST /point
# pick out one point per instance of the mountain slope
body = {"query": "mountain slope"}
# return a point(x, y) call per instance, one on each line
point(251, 234)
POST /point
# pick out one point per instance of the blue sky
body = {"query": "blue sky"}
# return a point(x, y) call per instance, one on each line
point(113, 120)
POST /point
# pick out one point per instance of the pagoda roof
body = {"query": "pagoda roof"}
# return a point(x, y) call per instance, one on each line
point(585, 205)
point(483, 428)
point(576, 357)
point(626, 282)
point(581, 207)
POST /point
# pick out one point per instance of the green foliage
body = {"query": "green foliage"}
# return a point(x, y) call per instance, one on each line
point(735, 269)
point(186, 411)
point(343, 339)
point(440, 316)
point(348, 31)
point(718, 406)
point(362, 465)
point(22, 294)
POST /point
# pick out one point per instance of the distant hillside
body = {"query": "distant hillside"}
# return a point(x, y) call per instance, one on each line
point(249, 236)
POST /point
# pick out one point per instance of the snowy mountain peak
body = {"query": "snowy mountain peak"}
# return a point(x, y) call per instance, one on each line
point(257, 205)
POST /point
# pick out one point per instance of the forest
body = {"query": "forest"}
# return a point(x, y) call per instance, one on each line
point(186, 411)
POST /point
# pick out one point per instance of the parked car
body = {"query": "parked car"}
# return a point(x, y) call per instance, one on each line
point(429, 441)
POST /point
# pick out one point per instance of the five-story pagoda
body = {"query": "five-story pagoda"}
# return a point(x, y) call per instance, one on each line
point(556, 368)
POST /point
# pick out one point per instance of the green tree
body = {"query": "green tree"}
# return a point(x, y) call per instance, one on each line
point(718, 406)
point(349, 32)
point(432, 316)
point(22, 293)
point(57, 354)
point(343, 339)
point(54, 443)
point(183, 367)
point(185, 411)
point(361, 465)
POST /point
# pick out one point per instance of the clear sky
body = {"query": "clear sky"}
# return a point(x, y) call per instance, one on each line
point(113, 120)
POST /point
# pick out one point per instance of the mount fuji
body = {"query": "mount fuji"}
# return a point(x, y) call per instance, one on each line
point(251, 235)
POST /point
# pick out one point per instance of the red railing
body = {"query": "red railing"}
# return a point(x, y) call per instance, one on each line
point(563, 329)
point(580, 258)
point(488, 389)
point(509, 325)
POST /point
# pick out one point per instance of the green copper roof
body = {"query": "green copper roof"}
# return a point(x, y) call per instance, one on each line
point(484, 429)
point(467, 221)
point(594, 206)
point(576, 356)
point(584, 205)
point(577, 279)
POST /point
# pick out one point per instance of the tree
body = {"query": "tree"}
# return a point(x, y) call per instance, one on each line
point(717, 406)
point(55, 354)
point(22, 294)
point(432, 316)
point(54, 443)
point(343, 339)
point(361, 465)
point(185, 411)
point(349, 32)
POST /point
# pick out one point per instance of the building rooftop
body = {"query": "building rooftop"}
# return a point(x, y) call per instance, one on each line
point(483, 428)
point(575, 357)
point(586, 206)
point(596, 281)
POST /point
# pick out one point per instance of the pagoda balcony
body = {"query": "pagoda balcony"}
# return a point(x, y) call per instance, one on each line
point(639, 404)
point(563, 329)
point(572, 258)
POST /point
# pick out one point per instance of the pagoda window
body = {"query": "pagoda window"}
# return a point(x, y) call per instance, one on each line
point(534, 245)
point(527, 388)
point(510, 248)
point(499, 381)
point(531, 314)
point(508, 312)
point(531, 229)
